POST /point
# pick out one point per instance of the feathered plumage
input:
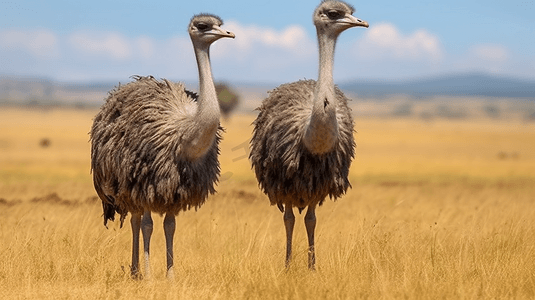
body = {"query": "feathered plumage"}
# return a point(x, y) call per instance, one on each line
point(154, 146)
point(338, 5)
point(302, 143)
point(286, 170)
point(137, 153)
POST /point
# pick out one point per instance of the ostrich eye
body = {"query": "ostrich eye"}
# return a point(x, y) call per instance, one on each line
point(333, 14)
point(202, 26)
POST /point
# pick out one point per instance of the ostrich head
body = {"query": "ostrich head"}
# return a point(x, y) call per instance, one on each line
point(204, 29)
point(333, 17)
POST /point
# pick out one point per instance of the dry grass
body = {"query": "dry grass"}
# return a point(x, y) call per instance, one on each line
point(440, 209)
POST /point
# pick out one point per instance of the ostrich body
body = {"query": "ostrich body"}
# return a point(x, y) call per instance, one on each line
point(154, 146)
point(302, 143)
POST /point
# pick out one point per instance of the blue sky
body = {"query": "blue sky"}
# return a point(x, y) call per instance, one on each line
point(275, 40)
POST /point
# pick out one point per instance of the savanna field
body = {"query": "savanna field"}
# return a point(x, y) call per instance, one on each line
point(439, 209)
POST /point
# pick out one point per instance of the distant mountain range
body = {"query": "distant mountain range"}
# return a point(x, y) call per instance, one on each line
point(472, 84)
point(26, 90)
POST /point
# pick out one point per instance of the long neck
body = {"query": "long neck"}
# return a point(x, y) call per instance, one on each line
point(322, 130)
point(208, 107)
point(206, 120)
point(326, 45)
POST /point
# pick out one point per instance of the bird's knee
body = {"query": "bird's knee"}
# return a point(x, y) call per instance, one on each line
point(288, 215)
point(310, 219)
point(146, 224)
point(169, 223)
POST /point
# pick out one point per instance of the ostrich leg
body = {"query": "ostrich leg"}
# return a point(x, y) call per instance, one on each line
point(169, 226)
point(310, 224)
point(135, 222)
point(289, 221)
point(146, 229)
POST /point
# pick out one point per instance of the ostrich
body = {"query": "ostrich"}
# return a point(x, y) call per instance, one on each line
point(302, 143)
point(154, 147)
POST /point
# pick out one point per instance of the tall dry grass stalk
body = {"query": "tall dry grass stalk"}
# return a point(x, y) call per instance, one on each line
point(436, 211)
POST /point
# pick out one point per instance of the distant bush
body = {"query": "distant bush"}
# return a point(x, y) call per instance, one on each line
point(448, 112)
point(530, 116)
point(228, 99)
point(44, 142)
point(403, 110)
point(491, 111)
point(426, 115)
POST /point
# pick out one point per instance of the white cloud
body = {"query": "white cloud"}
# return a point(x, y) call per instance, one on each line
point(177, 46)
point(108, 44)
point(263, 53)
point(251, 39)
point(386, 41)
point(146, 47)
point(491, 58)
point(172, 58)
point(490, 52)
point(256, 54)
point(41, 43)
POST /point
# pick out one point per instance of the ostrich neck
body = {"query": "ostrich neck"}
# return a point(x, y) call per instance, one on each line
point(322, 130)
point(205, 122)
point(326, 60)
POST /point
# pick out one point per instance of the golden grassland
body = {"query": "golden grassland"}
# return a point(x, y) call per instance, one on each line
point(438, 209)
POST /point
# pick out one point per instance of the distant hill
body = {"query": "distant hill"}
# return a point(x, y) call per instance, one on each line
point(43, 91)
point(39, 91)
point(472, 84)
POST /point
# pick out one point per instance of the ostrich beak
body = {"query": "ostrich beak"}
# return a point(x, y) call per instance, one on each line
point(352, 21)
point(218, 31)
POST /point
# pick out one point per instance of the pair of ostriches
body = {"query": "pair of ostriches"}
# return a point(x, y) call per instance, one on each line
point(154, 144)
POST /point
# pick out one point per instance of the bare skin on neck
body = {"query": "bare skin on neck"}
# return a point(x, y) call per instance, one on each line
point(322, 130)
point(205, 122)
point(206, 119)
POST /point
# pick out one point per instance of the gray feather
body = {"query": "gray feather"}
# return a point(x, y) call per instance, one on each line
point(286, 171)
point(136, 155)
